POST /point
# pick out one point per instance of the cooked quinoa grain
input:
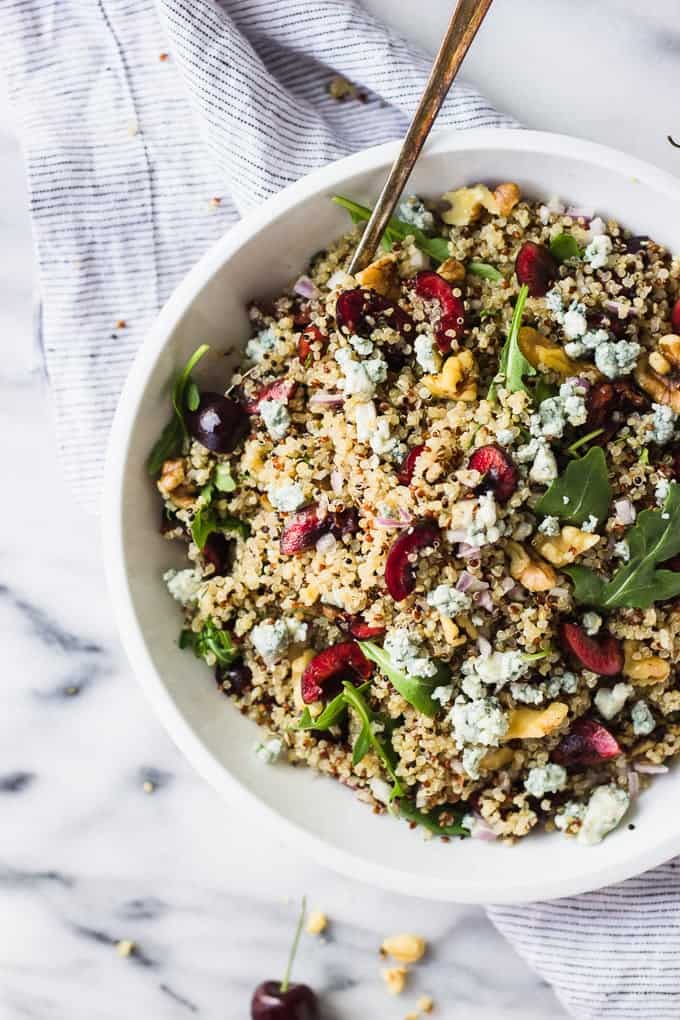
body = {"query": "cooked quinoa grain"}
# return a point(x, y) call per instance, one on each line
point(413, 522)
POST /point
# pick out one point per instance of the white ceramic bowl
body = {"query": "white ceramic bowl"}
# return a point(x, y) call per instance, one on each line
point(257, 258)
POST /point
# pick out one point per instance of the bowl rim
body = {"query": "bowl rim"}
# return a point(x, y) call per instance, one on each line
point(505, 890)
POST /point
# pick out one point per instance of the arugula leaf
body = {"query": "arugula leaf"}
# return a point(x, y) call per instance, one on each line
point(416, 690)
point(207, 519)
point(564, 247)
point(584, 484)
point(653, 539)
point(356, 701)
point(432, 819)
point(331, 714)
point(436, 247)
point(484, 270)
point(223, 478)
point(583, 441)
point(184, 394)
point(513, 366)
point(210, 639)
point(362, 745)
point(542, 390)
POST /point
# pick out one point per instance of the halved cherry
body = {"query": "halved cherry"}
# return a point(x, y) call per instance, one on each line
point(672, 564)
point(675, 317)
point(219, 551)
point(499, 474)
point(305, 528)
point(586, 743)
point(329, 668)
point(603, 656)
point(408, 464)
point(311, 335)
point(536, 266)
point(400, 571)
point(279, 389)
point(354, 309)
point(450, 324)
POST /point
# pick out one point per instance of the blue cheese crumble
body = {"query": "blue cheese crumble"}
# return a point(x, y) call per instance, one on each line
point(550, 526)
point(448, 600)
point(269, 751)
point(183, 585)
point(598, 251)
point(382, 442)
point(362, 346)
point(661, 491)
point(427, 353)
point(544, 779)
point(407, 655)
point(544, 468)
point(271, 640)
point(360, 377)
point(574, 322)
point(472, 759)
point(591, 622)
point(261, 344)
point(610, 700)
point(604, 811)
point(413, 211)
point(615, 359)
point(498, 668)
point(590, 524)
point(365, 417)
point(642, 719)
point(663, 424)
point(622, 550)
point(484, 528)
point(275, 417)
point(287, 498)
point(482, 721)
point(527, 693)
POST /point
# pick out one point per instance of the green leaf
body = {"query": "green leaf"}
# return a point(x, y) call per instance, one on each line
point(416, 690)
point(436, 247)
point(208, 519)
point(362, 745)
point(581, 491)
point(653, 539)
point(513, 366)
point(356, 701)
point(170, 442)
point(193, 396)
point(484, 270)
point(583, 441)
point(210, 639)
point(332, 713)
point(432, 819)
point(542, 390)
point(223, 479)
point(167, 446)
point(564, 247)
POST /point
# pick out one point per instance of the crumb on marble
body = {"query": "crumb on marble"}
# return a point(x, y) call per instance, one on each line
point(404, 948)
point(121, 324)
point(126, 947)
point(215, 201)
point(163, 57)
point(316, 923)
point(425, 1004)
point(395, 979)
point(148, 786)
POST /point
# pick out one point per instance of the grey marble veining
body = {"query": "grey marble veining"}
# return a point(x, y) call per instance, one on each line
point(87, 857)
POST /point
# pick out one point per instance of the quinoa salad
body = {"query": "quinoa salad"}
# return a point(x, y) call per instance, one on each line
point(432, 522)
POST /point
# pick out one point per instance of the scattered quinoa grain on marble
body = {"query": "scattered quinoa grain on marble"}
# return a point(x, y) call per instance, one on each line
point(388, 614)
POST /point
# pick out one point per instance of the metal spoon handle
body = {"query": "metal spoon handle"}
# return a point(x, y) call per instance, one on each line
point(462, 29)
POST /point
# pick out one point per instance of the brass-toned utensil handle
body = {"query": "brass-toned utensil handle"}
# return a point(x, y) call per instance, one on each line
point(462, 29)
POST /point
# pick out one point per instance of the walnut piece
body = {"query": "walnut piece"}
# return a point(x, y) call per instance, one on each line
point(565, 547)
point(641, 668)
point(457, 379)
point(466, 204)
point(534, 723)
point(395, 979)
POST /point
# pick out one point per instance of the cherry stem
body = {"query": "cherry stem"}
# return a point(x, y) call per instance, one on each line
point(294, 947)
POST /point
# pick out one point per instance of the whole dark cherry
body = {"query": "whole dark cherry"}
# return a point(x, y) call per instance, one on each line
point(298, 1002)
point(285, 1000)
point(234, 679)
point(219, 423)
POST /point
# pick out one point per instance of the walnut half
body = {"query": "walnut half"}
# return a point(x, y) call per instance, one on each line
point(658, 373)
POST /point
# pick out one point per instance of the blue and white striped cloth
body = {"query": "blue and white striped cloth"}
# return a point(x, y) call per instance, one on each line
point(147, 130)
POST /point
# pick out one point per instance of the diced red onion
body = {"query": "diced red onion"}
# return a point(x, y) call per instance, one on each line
point(633, 783)
point(466, 551)
point(615, 306)
point(305, 287)
point(406, 517)
point(483, 599)
point(507, 584)
point(648, 769)
point(327, 399)
point(625, 511)
point(468, 581)
point(483, 646)
point(391, 522)
point(481, 830)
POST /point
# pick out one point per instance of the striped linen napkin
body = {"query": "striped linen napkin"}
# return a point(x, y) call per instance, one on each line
point(149, 129)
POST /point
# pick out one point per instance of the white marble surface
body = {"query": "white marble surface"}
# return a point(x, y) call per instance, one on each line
point(86, 856)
